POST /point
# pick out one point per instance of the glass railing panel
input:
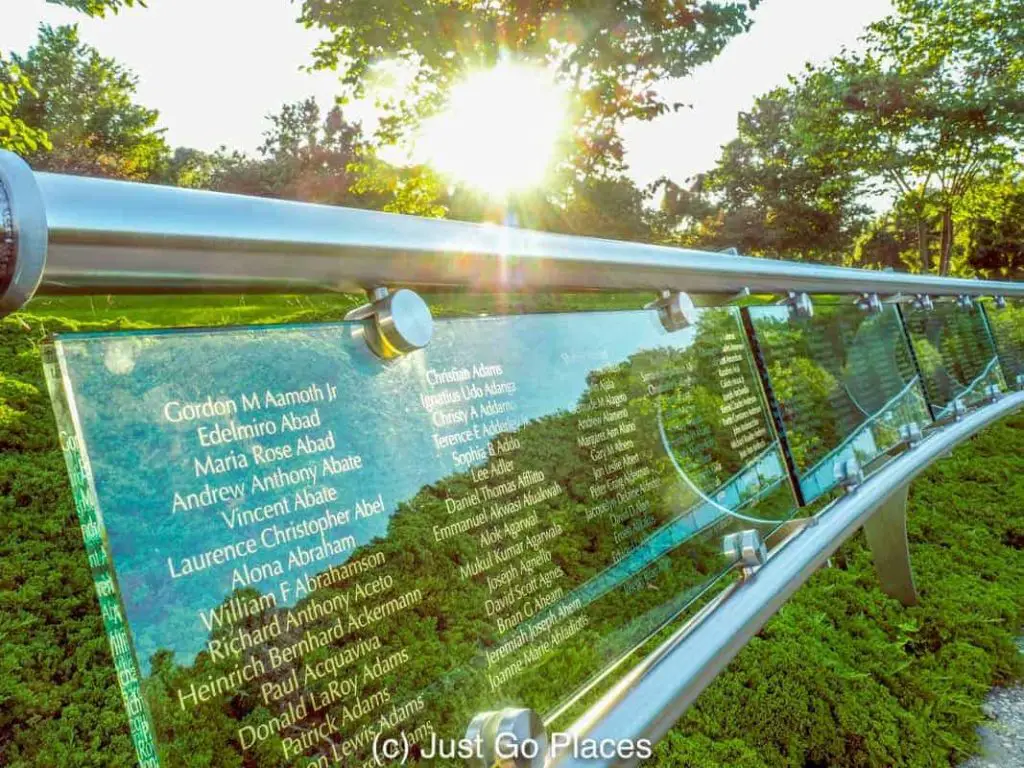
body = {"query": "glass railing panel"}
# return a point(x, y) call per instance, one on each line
point(1006, 324)
point(299, 547)
point(955, 353)
point(845, 383)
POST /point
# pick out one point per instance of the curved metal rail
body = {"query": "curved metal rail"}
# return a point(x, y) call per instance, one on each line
point(654, 695)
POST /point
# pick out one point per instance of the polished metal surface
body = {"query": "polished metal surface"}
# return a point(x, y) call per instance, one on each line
point(886, 534)
point(404, 322)
point(654, 695)
point(23, 233)
point(395, 324)
point(850, 474)
point(911, 433)
point(511, 738)
point(745, 549)
point(801, 303)
point(676, 310)
point(871, 303)
point(120, 237)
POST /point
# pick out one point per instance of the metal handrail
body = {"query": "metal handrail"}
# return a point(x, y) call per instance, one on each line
point(82, 235)
point(649, 700)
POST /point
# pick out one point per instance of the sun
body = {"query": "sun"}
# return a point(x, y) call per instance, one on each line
point(498, 131)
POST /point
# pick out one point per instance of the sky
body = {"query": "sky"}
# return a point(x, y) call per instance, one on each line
point(216, 68)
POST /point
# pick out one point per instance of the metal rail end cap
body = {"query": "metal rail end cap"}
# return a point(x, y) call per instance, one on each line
point(23, 233)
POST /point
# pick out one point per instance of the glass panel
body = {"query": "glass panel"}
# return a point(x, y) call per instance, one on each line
point(845, 382)
point(1007, 326)
point(307, 547)
point(955, 354)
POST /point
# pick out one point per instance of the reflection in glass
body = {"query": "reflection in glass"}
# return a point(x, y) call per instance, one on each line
point(845, 383)
point(1007, 326)
point(306, 546)
point(955, 354)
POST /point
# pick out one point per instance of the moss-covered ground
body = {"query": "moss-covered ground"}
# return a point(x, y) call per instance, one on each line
point(842, 676)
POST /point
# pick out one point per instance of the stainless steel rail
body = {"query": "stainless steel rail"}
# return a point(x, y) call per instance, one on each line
point(654, 695)
point(82, 235)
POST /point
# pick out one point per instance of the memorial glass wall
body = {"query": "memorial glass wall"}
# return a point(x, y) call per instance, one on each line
point(845, 383)
point(299, 547)
point(955, 353)
point(1007, 326)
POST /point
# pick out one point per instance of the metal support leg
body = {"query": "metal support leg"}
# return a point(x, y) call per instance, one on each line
point(886, 532)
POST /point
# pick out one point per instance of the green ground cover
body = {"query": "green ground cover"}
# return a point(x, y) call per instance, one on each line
point(842, 676)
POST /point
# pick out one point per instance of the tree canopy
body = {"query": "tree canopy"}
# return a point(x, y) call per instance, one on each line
point(15, 134)
point(611, 53)
point(776, 196)
point(85, 104)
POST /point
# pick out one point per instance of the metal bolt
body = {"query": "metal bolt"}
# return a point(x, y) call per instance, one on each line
point(923, 302)
point(870, 303)
point(745, 549)
point(396, 323)
point(959, 409)
point(911, 433)
point(849, 474)
point(801, 304)
point(675, 310)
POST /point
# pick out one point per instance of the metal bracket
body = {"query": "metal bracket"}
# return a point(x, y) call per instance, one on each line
point(1000, 302)
point(886, 534)
point(911, 434)
point(511, 738)
point(800, 302)
point(870, 303)
point(965, 302)
point(922, 302)
point(394, 323)
point(993, 393)
point(676, 310)
point(959, 409)
point(1020, 381)
point(746, 550)
point(849, 474)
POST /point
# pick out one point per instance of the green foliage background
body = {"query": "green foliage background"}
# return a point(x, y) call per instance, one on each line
point(842, 676)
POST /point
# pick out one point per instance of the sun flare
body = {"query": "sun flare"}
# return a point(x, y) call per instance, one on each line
point(499, 130)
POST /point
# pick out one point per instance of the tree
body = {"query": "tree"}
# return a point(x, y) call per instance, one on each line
point(84, 102)
point(612, 54)
point(776, 198)
point(305, 155)
point(934, 102)
point(15, 134)
point(994, 228)
point(886, 242)
point(310, 156)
